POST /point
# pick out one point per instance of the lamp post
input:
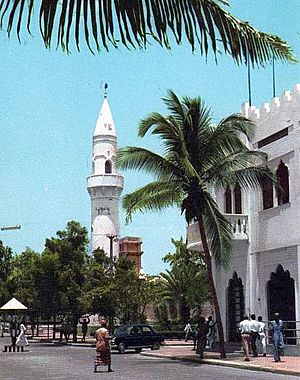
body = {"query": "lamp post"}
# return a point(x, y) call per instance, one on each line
point(111, 253)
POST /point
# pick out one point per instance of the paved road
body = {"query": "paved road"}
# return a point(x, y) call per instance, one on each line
point(47, 362)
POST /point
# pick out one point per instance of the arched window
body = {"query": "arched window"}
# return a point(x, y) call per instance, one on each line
point(282, 174)
point(108, 167)
point(237, 199)
point(228, 201)
point(267, 192)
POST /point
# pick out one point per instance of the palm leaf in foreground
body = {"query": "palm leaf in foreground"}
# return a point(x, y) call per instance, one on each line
point(205, 24)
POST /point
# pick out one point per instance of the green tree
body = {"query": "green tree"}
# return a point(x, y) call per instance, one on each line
point(205, 24)
point(98, 289)
point(70, 248)
point(197, 156)
point(6, 259)
point(23, 276)
point(186, 282)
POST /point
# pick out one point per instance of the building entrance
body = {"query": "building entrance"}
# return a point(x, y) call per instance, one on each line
point(235, 307)
point(281, 299)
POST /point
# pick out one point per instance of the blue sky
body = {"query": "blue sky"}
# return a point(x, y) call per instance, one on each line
point(49, 103)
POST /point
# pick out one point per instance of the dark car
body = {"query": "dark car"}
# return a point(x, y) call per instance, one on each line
point(137, 337)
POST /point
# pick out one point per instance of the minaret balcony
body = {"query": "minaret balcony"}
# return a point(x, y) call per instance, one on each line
point(239, 228)
point(112, 180)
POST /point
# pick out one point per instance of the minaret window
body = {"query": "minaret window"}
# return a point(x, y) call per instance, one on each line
point(108, 167)
point(282, 174)
point(237, 199)
point(267, 193)
point(228, 201)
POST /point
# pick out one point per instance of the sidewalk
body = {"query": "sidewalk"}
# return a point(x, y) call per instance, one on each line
point(289, 365)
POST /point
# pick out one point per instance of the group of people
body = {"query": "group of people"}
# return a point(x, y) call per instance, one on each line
point(253, 334)
point(204, 334)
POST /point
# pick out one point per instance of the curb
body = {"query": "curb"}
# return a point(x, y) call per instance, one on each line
point(223, 363)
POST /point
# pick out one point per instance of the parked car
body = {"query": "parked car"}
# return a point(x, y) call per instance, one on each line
point(137, 337)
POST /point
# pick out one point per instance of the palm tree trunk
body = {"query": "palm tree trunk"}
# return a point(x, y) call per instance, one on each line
point(215, 301)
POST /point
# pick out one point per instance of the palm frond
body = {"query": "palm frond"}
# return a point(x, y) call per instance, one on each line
point(156, 196)
point(218, 233)
point(221, 171)
point(205, 24)
point(143, 159)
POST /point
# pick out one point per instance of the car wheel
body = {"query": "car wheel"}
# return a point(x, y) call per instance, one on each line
point(121, 348)
point(138, 350)
point(155, 346)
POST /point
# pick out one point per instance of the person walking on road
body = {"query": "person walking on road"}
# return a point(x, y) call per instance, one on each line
point(188, 330)
point(262, 336)
point(103, 354)
point(21, 338)
point(202, 331)
point(254, 334)
point(276, 328)
point(245, 329)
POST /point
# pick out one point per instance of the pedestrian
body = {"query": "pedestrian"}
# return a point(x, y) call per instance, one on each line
point(188, 330)
point(276, 328)
point(84, 327)
point(21, 338)
point(103, 356)
point(245, 329)
point(13, 328)
point(202, 331)
point(254, 334)
point(2, 329)
point(262, 336)
point(211, 336)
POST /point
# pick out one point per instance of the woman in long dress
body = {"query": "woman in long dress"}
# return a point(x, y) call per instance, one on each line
point(21, 338)
point(103, 354)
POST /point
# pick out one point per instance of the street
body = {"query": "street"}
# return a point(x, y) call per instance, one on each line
point(46, 361)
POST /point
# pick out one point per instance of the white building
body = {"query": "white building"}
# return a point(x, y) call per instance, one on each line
point(105, 184)
point(264, 276)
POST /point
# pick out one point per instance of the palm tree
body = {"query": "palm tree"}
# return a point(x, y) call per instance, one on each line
point(197, 157)
point(205, 24)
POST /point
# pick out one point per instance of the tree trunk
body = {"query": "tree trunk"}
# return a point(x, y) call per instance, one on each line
point(215, 301)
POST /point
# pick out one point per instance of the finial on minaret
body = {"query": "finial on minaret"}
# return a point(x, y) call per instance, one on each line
point(105, 89)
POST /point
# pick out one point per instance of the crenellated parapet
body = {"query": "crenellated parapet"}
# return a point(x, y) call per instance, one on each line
point(279, 113)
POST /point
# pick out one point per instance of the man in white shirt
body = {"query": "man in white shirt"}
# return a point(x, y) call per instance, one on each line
point(254, 334)
point(245, 329)
point(262, 336)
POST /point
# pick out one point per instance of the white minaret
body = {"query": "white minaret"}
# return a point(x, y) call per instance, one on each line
point(105, 184)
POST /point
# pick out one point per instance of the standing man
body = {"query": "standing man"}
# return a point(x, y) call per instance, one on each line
point(84, 327)
point(276, 328)
point(262, 336)
point(245, 329)
point(211, 336)
point(188, 329)
point(254, 334)
point(14, 328)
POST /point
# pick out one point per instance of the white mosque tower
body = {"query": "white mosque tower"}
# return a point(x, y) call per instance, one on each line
point(105, 184)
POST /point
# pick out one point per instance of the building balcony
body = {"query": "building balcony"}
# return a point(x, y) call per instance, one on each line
point(239, 227)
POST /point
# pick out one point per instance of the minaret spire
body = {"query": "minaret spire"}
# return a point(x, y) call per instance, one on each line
point(105, 184)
